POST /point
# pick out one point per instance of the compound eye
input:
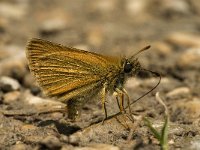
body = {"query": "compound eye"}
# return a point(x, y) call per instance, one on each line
point(128, 67)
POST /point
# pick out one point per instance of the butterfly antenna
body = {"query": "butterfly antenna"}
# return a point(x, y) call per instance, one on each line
point(143, 49)
point(156, 74)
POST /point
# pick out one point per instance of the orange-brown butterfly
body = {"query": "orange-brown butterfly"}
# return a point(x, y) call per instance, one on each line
point(73, 76)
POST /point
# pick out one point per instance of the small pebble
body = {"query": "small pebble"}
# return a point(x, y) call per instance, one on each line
point(189, 58)
point(28, 127)
point(53, 25)
point(135, 7)
point(64, 138)
point(184, 39)
point(104, 5)
point(178, 91)
point(9, 65)
point(175, 7)
point(194, 144)
point(20, 146)
point(8, 84)
point(74, 139)
point(10, 97)
point(42, 104)
point(95, 147)
point(12, 10)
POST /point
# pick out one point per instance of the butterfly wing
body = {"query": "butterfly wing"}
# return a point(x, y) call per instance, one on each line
point(66, 72)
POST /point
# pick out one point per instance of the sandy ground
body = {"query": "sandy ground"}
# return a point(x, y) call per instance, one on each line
point(29, 120)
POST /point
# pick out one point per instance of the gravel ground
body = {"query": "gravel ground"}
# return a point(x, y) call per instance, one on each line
point(30, 120)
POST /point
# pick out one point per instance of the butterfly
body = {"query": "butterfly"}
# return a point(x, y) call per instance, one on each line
point(74, 76)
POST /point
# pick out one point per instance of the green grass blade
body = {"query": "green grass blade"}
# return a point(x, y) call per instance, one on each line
point(153, 130)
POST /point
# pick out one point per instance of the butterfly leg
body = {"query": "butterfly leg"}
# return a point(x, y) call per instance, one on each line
point(128, 101)
point(103, 101)
point(116, 96)
point(118, 103)
point(120, 100)
point(121, 94)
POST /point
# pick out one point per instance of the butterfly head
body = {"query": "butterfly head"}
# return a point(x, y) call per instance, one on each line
point(132, 67)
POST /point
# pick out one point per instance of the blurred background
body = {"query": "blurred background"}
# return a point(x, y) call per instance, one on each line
point(109, 27)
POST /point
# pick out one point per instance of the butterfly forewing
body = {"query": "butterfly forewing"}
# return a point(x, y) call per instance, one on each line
point(66, 72)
